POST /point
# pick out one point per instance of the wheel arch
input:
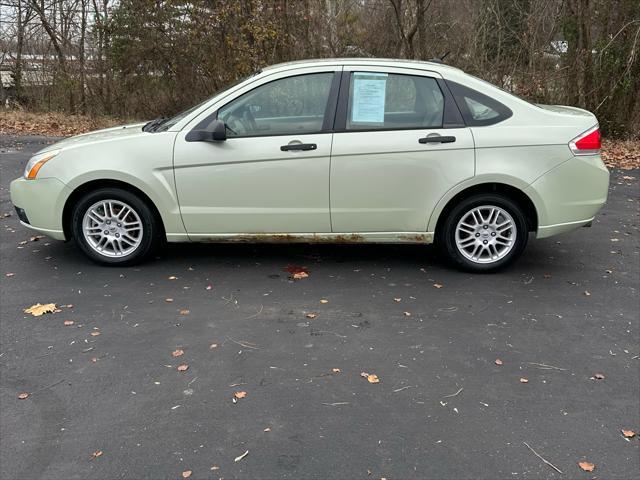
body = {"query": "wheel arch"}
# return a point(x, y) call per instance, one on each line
point(513, 193)
point(91, 185)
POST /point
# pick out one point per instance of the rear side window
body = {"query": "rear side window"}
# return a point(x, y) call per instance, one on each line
point(385, 101)
point(477, 108)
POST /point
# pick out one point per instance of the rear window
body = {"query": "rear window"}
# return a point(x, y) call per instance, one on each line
point(477, 108)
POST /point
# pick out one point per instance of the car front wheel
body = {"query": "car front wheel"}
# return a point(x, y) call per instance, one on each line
point(484, 233)
point(114, 227)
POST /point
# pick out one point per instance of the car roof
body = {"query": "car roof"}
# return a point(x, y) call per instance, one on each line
point(389, 62)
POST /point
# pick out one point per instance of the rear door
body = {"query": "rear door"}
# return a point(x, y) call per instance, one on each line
point(400, 144)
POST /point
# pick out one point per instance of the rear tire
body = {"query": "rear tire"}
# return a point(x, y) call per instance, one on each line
point(114, 227)
point(484, 233)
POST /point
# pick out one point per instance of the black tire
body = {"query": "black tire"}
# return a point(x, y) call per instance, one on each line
point(446, 237)
point(151, 230)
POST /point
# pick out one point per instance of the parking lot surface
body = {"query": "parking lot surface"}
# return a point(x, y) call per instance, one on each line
point(479, 376)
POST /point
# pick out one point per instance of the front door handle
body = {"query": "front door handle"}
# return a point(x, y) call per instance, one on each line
point(437, 139)
point(298, 146)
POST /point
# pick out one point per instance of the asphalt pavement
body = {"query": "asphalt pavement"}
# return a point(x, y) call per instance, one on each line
point(480, 376)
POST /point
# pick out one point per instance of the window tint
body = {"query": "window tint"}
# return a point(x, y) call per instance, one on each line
point(391, 101)
point(292, 105)
point(477, 108)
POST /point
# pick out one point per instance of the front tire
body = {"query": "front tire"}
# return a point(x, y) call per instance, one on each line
point(114, 227)
point(484, 233)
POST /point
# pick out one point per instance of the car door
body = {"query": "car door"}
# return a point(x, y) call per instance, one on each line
point(400, 144)
point(271, 174)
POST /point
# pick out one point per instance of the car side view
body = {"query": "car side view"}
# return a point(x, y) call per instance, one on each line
point(341, 150)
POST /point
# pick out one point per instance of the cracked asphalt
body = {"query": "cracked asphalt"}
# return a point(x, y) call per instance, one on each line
point(443, 409)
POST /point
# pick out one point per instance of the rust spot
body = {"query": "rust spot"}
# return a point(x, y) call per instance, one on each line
point(420, 238)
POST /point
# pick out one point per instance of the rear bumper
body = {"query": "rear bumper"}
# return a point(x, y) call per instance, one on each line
point(41, 202)
point(570, 195)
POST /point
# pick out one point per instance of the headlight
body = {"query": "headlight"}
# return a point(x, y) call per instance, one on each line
point(36, 162)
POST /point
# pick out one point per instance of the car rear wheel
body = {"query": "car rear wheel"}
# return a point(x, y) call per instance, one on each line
point(114, 227)
point(484, 233)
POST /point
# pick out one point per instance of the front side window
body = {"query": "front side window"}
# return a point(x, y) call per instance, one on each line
point(288, 106)
point(391, 101)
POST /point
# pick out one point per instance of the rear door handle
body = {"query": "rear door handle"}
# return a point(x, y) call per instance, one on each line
point(437, 139)
point(298, 146)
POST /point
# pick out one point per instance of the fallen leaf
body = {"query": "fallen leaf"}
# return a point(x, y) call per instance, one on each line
point(94, 334)
point(397, 300)
point(371, 378)
point(213, 345)
point(324, 300)
point(173, 277)
point(586, 466)
point(23, 395)
point(177, 353)
point(240, 394)
point(311, 315)
point(94, 360)
point(297, 272)
point(10, 274)
point(407, 314)
point(599, 376)
point(39, 309)
point(267, 429)
point(546, 275)
point(587, 293)
point(524, 380)
point(437, 285)
point(498, 361)
point(183, 368)
point(625, 433)
point(336, 370)
point(68, 323)
point(184, 312)
point(300, 275)
point(186, 473)
point(168, 300)
point(237, 459)
point(208, 287)
point(96, 454)
point(215, 467)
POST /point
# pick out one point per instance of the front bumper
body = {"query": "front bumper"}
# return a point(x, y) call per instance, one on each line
point(570, 195)
point(42, 202)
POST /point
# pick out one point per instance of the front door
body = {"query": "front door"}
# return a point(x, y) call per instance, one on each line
point(271, 175)
point(399, 146)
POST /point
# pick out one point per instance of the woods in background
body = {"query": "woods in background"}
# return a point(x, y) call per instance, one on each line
point(145, 58)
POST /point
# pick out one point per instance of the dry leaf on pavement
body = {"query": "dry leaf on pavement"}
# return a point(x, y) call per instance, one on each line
point(371, 378)
point(586, 466)
point(407, 314)
point(173, 277)
point(68, 323)
point(625, 433)
point(311, 315)
point(184, 312)
point(177, 353)
point(598, 376)
point(96, 454)
point(39, 309)
point(94, 334)
point(186, 473)
point(524, 380)
point(23, 396)
point(241, 394)
point(437, 285)
point(324, 300)
point(237, 459)
point(498, 361)
point(336, 370)
point(183, 368)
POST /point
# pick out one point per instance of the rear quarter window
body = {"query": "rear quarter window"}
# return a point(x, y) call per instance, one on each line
point(477, 108)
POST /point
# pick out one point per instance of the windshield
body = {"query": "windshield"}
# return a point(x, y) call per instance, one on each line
point(170, 122)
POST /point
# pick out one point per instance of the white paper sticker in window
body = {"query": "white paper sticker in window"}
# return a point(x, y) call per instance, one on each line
point(368, 97)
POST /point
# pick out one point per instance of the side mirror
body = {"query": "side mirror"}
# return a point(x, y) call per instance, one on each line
point(217, 132)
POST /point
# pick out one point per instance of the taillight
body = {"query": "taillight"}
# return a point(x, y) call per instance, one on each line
point(587, 143)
